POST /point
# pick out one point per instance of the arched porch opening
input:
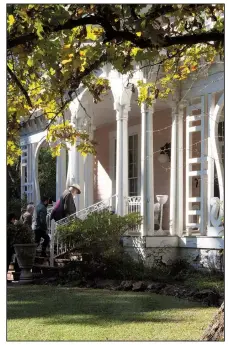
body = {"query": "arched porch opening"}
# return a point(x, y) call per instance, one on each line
point(47, 172)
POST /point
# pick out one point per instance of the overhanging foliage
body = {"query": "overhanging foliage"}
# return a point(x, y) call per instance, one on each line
point(52, 49)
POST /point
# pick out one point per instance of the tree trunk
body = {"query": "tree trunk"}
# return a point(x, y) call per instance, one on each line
point(215, 331)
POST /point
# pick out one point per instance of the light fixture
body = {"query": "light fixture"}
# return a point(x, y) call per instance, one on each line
point(162, 158)
point(165, 153)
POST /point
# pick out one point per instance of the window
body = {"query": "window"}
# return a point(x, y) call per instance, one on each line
point(221, 136)
point(132, 164)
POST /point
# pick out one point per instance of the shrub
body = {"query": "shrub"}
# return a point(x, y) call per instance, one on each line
point(19, 233)
point(99, 234)
point(15, 205)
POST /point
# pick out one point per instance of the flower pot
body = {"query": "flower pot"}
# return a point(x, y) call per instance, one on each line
point(25, 256)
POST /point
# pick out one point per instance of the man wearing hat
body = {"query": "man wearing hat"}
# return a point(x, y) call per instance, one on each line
point(68, 199)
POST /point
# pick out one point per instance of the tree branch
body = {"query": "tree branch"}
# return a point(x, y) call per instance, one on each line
point(18, 83)
point(121, 35)
point(70, 24)
point(203, 37)
point(78, 78)
point(57, 114)
point(143, 43)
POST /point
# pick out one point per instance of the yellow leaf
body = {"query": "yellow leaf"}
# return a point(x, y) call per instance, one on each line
point(11, 19)
point(71, 55)
point(66, 61)
point(138, 34)
point(66, 46)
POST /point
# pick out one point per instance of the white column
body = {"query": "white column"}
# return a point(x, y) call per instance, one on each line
point(203, 185)
point(122, 158)
point(29, 172)
point(180, 172)
point(69, 166)
point(35, 175)
point(210, 181)
point(147, 170)
point(173, 174)
point(75, 172)
point(89, 175)
point(60, 173)
point(76, 176)
point(34, 146)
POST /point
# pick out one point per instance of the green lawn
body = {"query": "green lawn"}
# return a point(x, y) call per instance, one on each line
point(61, 313)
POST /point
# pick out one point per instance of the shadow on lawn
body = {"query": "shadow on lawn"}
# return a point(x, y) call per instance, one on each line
point(78, 306)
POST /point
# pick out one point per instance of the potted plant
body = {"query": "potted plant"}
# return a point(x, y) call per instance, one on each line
point(25, 249)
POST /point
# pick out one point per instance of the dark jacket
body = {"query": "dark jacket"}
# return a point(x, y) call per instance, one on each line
point(41, 214)
point(68, 203)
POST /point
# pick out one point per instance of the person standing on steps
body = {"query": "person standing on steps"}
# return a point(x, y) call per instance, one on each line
point(68, 199)
point(41, 225)
point(26, 217)
point(11, 220)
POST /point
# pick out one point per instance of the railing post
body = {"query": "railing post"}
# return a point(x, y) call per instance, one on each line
point(52, 242)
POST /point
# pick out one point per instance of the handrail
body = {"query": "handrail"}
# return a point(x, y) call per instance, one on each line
point(85, 211)
point(56, 247)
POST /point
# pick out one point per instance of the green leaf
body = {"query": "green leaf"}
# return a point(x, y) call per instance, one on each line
point(30, 61)
point(52, 71)
point(39, 28)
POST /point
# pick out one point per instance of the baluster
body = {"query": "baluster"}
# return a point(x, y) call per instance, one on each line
point(52, 242)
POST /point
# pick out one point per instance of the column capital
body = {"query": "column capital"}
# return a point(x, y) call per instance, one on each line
point(150, 108)
point(122, 111)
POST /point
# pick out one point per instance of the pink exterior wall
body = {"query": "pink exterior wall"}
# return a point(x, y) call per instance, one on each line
point(102, 188)
point(162, 123)
point(102, 173)
point(162, 134)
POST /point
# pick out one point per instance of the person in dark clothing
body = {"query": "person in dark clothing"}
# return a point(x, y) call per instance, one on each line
point(41, 225)
point(11, 220)
point(68, 199)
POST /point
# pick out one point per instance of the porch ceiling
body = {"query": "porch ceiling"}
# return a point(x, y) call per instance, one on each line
point(104, 113)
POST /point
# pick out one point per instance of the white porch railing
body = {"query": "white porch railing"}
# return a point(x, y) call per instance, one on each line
point(134, 204)
point(56, 247)
point(82, 214)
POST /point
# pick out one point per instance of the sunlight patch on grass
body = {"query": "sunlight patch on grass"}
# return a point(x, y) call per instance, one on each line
point(79, 314)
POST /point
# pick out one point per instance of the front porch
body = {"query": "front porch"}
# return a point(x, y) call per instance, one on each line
point(170, 150)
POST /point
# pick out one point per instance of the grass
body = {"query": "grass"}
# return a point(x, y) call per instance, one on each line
point(60, 313)
point(202, 281)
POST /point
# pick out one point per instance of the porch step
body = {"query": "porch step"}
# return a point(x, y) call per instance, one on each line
point(41, 271)
point(61, 262)
point(42, 260)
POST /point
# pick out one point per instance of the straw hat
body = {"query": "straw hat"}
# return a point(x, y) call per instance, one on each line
point(76, 186)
